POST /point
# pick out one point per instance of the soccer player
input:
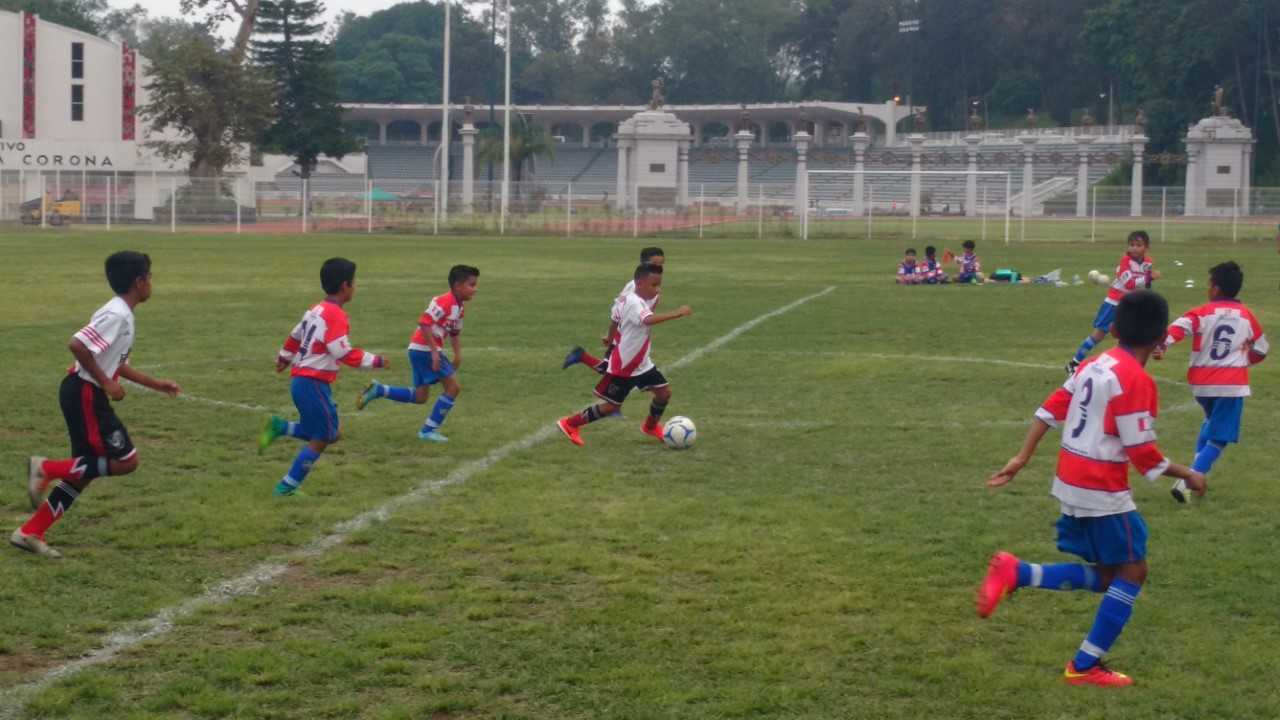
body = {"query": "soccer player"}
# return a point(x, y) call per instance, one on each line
point(970, 265)
point(630, 366)
point(933, 272)
point(1134, 272)
point(442, 317)
point(1109, 408)
point(1226, 339)
point(314, 349)
point(910, 272)
point(100, 444)
point(648, 256)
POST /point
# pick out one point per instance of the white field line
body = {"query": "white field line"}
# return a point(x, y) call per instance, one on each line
point(980, 361)
point(264, 574)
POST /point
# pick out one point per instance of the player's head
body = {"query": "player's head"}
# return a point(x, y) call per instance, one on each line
point(930, 251)
point(1225, 280)
point(648, 279)
point(969, 245)
point(129, 271)
point(462, 281)
point(653, 255)
point(1141, 319)
point(338, 278)
point(1139, 243)
point(911, 254)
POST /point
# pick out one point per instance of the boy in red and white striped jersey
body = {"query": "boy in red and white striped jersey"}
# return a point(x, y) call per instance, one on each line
point(1109, 407)
point(629, 364)
point(100, 444)
point(315, 348)
point(1226, 339)
point(1135, 271)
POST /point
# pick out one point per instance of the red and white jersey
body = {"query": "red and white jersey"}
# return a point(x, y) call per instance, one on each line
point(444, 317)
point(629, 289)
point(319, 342)
point(1130, 275)
point(630, 356)
point(1225, 340)
point(1107, 410)
point(109, 336)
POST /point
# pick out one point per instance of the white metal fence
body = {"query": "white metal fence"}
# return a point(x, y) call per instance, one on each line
point(353, 204)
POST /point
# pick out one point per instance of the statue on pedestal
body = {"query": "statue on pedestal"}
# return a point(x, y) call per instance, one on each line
point(975, 120)
point(468, 110)
point(1086, 120)
point(1219, 101)
point(1033, 120)
point(918, 121)
point(860, 122)
point(1140, 121)
point(744, 120)
point(657, 99)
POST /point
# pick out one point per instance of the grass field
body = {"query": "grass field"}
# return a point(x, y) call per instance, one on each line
point(815, 555)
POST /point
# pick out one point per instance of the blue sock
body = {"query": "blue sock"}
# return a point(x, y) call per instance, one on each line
point(298, 471)
point(1113, 613)
point(1203, 439)
point(1061, 576)
point(1207, 456)
point(1086, 347)
point(294, 430)
point(439, 412)
point(395, 394)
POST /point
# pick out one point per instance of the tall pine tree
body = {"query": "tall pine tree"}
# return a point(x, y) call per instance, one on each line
point(290, 52)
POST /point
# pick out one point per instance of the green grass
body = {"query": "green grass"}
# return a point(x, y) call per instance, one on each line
point(814, 556)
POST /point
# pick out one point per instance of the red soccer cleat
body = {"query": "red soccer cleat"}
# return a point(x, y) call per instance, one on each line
point(654, 430)
point(1099, 675)
point(1000, 582)
point(570, 432)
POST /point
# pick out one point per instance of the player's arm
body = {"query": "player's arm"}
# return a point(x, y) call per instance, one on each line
point(611, 333)
point(1188, 324)
point(1259, 347)
point(289, 350)
point(659, 318)
point(1050, 415)
point(455, 339)
point(89, 362)
point(1134, 414)
point(338, 345)
point(168, 387)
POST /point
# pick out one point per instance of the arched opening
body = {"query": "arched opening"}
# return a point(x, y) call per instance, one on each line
point(433, 132)
point(567, 133)
point(758, 131)
point(404, 131)
point(714, 132)
point(835, 134)
point(779, 132)
point(366, 130)
point(603, 132)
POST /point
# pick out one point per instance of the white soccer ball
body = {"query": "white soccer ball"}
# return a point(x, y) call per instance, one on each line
point(1098, 278)
point(679, 433)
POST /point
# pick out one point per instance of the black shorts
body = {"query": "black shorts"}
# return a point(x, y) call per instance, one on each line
point(615, 389)
point(93, 426)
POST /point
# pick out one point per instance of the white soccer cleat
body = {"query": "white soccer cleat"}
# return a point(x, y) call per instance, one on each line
point(37, 483)
point(32, 544)
point(1180, 491)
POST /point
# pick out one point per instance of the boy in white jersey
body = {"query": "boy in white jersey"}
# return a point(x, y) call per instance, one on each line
point(648, 256)
point(100, 444)
point(629, 364)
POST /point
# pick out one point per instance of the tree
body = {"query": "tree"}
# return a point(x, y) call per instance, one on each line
point(529, 141)
point(205, 106)
point(222, 10)
point(308, 120)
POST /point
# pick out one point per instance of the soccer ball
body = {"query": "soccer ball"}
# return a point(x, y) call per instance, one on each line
point(679, 433)
point(1099, 278)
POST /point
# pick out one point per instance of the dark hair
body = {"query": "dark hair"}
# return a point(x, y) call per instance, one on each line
point(336, 271)
point(646, 269)
point(1227, 277)
point(911, 251)
point(969, 245)
point(930, 251)
point(651, 252)
point(126, 268)
point(1141, 318)
point(1139, 235)
point(462, 273)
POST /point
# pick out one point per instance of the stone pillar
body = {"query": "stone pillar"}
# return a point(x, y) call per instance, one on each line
point(682, 176)
point(802, 172)
point(623, 192)
point(1246, 178)
point(423, 136)
point(860, 142)
point(917, 150)
point(891, 123)
point(1192, 200)
point(743, 139)
point(1135, 189)
point(586, 136)
point(1028, 171)
point(697, 134)
point(382, 133)
point(1082, 175)
point(971, 182)
point(468, 133)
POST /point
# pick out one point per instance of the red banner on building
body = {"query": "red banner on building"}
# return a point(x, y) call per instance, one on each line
point(28, 76)
point(129, 101)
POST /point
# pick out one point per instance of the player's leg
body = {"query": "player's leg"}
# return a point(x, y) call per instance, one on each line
point(450, 390)
point(1007, 573)
point(318, 421)
point(655, 382)
point(1221, 428)
point(612, 391)
point(375, 389)
point(579, 355)
point(1120, 542)
point(1101, 326)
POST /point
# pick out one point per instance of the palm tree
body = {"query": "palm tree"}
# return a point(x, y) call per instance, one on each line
point(528, 142)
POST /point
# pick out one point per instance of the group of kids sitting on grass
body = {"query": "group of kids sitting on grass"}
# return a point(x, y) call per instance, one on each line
point(930, 271)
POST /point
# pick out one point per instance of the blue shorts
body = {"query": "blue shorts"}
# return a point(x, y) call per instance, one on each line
point(967, 277)
point(318, 415)
point(1106, 317)
point(1222, 415)
point(1106, 540)
point(420, 361)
